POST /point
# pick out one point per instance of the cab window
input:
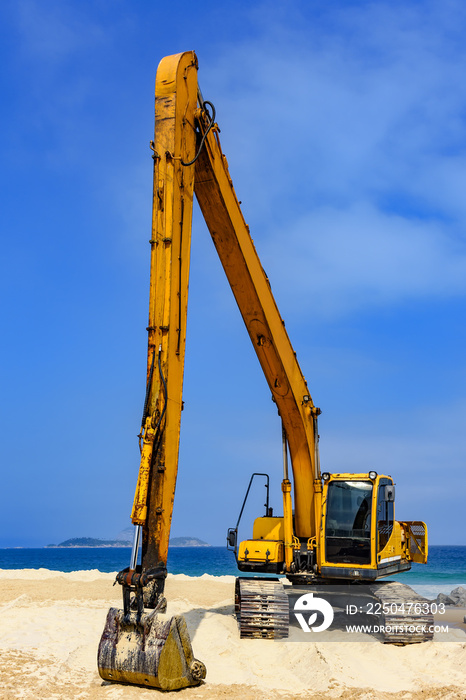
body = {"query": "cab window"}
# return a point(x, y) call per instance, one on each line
point(385, 514)
point(348, 522)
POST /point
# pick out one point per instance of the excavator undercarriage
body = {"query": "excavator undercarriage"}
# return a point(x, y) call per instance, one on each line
point(265, 609)
point(261, 608)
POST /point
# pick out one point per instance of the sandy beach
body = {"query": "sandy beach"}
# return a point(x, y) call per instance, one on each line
point(51, 624)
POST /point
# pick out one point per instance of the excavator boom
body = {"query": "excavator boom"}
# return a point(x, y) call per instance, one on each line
point(250, 285)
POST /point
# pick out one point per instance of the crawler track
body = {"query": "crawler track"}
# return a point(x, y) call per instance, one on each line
point(409, 620)
point(403, 616)
point(262, 608)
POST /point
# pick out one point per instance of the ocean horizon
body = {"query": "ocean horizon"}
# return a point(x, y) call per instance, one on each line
point(445, 570)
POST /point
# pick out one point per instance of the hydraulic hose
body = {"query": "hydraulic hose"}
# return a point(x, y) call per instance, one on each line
point(211, 123)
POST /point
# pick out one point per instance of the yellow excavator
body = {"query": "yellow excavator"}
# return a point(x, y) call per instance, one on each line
point(335, 527)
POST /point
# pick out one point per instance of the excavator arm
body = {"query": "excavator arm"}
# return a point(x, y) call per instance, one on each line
point(136, 646)
point(174, 143)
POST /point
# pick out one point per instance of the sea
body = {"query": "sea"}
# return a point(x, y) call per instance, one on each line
point(445, 570)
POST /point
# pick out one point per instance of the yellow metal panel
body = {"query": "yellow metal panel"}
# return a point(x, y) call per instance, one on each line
point(268, 528)
point(393, 548)
point(416, 541)
point(261, 551)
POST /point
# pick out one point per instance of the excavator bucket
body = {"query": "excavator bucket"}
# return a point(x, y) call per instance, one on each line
point(148, 649)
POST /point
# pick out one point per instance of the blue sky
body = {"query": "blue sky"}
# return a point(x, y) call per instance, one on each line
point(344, 124)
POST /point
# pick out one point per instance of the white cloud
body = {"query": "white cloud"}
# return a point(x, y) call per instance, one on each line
point(346, 139)
point(361, 257)
point(352, 109)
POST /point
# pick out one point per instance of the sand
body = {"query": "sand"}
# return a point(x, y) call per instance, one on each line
point(51, 623)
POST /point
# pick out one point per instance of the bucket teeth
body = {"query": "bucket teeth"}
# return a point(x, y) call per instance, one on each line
point(148, 650)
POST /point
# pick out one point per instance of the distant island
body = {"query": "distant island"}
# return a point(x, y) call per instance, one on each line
point(90, 542)
point(187, 542)
point(124, 540)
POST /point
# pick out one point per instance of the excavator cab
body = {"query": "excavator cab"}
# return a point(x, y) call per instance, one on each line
point(360, 538)
point(348, 522)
